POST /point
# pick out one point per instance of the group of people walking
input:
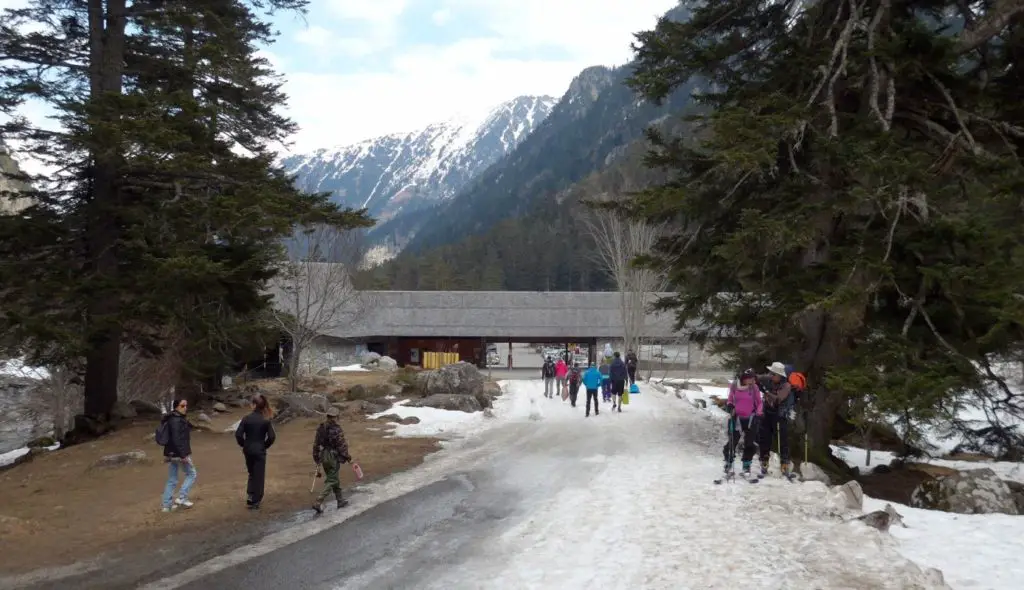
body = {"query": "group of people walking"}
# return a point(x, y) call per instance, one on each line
point(760, 407)
point(610, 377)
point(255, 435)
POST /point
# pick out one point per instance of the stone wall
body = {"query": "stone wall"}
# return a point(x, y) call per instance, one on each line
point(326, 352)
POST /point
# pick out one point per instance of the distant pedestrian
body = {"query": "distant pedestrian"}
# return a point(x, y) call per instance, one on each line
point(330, 451)
point(592, 381)
point(575, 378)
point(178, 455)
point(631, 364)
point(618, 375)
point(561, 372)
point(606, 385)
point(547, 373)
point(255, 434)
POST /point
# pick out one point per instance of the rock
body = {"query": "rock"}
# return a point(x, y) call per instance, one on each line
point(489, 413)
point(374, 406)
point(811, 472)
point(121, 459)
point(241, 403)
point(203, 418)
point(849, 495)
point(298, 405)
point(144, 408)
point(220, 407)
point(1017, 492)
point(233, 427)
point(381, 401)
point(324, 372)
point(357, 392)
point(448, 401)
point(493, 390)
point(389, 418)
point(123, 411)
point(883, 519)
point(387, 363)
point(409, 420)
point(978, 491)
point(699, 403)
point(368, 358)
point(42, 441)
point(460, 378)
point(881, 469)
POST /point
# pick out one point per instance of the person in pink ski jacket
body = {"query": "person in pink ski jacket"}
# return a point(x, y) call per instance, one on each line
point(561, 371)
point(745, 410)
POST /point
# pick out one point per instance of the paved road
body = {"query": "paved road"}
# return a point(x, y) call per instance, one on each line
point(560, 501)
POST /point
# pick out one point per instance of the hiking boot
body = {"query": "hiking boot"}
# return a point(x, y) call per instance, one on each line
point(318, 507)
point(167, 509)
point(764, 468)
point(342, 504)
point(183, 502)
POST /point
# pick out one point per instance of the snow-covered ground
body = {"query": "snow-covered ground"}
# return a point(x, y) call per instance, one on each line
point(18, 368)
point(349, 368)
point(12, 456)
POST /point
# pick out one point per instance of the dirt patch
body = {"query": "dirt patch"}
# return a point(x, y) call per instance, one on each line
point(898, 482)
point(58, 509)
point(973, 457)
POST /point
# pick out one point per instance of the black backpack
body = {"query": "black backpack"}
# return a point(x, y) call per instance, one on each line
point(163, 433)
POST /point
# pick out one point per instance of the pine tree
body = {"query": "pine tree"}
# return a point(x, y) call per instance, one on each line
point(855, 189)
point(154, 223)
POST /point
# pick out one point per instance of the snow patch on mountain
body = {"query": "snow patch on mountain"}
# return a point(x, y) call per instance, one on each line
point(402, 173)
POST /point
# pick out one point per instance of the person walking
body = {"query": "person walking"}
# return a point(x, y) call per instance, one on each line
point(774, 426)
point(561, 371)
point(575, 377)
point(178, 455)
point(631, 364)
point(330, 451)
point(745, 409)
point(618, 374)
point(547, 373)
point(255, 434)
point(606, 385)
point(592, 381)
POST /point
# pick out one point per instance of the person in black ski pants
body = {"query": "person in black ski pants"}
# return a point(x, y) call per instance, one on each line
point(255, 434)
point(744, 407)
point(575, 378)
point(631, 364)
point(774, 427)
point(618, 374)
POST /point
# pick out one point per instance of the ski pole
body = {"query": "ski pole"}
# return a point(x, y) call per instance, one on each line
point(316, 472)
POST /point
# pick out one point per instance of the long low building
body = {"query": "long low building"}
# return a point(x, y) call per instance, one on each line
point(405, 324)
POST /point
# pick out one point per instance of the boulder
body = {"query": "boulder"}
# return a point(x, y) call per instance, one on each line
point(977, 491)
point(375, 406)
point(298, 405)
point(121, 459)
point(387, 363)
point(220, 407)
point(698, 403)
point(389, 418)
point(123, 410)
point(373, 392)
point(323, 372)
point(493, 390)
point(144, 408)
point(849, 495)
point(202, 417)
point(448, 401)
point(811, 472)
point(1017, 492)
point(369, 357)
point(883, 519)
point(409, 420)
point(460, 378)
point(42, 441)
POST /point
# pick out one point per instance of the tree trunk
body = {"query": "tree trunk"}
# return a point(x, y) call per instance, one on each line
point(106, 68)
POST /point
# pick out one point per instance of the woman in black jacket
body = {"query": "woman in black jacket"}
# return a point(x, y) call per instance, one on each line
point(255, 434)
point(178, 454)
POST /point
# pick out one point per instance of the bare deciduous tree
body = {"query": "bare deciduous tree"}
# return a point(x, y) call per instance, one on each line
point(620, 240)
point(146, 377)
point(314, 293)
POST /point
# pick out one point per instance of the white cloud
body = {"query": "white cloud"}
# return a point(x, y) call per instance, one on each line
point(427, 84)
point(441, 17)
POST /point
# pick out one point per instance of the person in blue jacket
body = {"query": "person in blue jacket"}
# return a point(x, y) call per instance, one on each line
point(592, 382)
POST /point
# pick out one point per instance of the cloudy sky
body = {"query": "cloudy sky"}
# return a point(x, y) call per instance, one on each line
point(361, 68)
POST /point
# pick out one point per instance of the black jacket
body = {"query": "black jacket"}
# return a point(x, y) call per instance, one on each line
point(255, 434)
point(547, 370)
point(618, 371)
point(180, 444)
point(631, 360)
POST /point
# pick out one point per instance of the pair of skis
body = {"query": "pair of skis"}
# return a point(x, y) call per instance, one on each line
point(731, 429)
point(754, 479)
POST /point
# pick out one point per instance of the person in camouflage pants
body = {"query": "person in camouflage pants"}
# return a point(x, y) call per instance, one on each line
point(329, 451)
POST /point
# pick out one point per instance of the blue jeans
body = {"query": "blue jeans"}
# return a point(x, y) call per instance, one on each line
point(172, 481)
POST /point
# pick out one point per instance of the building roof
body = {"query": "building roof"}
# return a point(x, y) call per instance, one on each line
point(495, 315)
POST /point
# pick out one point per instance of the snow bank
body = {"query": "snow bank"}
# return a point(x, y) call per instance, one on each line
point(972, 550)
point(348, 368)
point(12, 456)
point(857, 457)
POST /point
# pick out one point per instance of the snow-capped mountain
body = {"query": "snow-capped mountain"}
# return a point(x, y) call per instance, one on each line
point(399, 173)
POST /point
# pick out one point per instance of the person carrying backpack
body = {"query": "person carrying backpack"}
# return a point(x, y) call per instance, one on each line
point(774, 427)
point(745, 409)
point(561, 371)
point(330, 450)
point(618, 374)
point(547, 373)
point(175, 435)
point(631, 365)
point(606, 385)
point(575, 378)
point(592, 381)
point(255, 434)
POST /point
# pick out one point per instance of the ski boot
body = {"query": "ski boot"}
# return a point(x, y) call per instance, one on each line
point(764, 468)
point(746, 470)
point(787, 470)
point(728, 471)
